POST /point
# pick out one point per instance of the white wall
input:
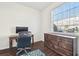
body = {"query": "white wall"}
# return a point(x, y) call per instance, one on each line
point(46, 18)
point(12, 15)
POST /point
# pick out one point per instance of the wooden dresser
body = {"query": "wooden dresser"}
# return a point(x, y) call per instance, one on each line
point(61, 44)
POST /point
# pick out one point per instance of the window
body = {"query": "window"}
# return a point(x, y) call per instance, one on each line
point(66, 17)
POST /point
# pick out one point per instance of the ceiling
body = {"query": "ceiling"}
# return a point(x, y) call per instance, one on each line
point(36, 5)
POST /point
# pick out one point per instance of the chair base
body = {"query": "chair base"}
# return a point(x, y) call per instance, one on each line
point(20, 52)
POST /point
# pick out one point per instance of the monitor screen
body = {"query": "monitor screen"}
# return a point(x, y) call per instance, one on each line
point(19, 29)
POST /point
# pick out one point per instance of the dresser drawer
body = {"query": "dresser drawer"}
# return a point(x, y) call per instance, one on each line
point(67, 40)
point(54, 39)
point(66, 43)
point(65, 52)
point(61, 45)
point(48, 43)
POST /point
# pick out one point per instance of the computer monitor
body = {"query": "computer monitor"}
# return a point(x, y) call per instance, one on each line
point(19, 29)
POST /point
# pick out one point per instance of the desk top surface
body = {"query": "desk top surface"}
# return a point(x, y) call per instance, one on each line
point(15, 35)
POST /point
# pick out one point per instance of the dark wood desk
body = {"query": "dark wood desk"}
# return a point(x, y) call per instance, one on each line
point(14, 37)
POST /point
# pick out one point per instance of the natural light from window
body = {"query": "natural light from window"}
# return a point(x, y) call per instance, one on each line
point(66, 17)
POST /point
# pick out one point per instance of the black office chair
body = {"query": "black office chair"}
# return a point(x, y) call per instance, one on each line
point(23, 42)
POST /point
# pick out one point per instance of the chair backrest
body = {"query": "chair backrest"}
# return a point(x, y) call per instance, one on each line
point(23, 40)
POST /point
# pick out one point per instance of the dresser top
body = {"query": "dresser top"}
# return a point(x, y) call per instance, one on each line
point(62, 35)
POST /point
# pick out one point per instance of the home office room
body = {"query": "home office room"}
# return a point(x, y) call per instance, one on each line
point(39, 28)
